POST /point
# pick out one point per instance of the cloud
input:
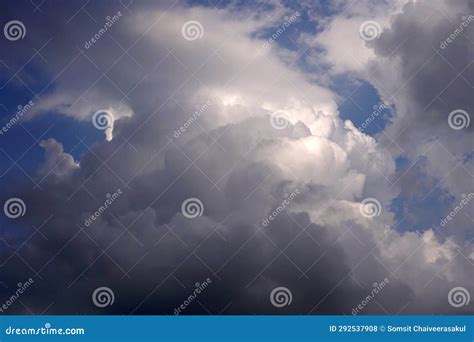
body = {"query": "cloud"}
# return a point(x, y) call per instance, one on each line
point(345, 41)
point(426, 84)
point(57, 163)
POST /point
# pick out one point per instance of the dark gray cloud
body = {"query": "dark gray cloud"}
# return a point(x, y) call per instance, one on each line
point(424, 65)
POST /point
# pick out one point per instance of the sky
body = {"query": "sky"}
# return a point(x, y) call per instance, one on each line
point(237, 157)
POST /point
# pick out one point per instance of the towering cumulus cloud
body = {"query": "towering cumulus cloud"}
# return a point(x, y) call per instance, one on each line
point(233, 165)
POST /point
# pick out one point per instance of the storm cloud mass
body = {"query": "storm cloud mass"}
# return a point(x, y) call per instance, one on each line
point(241, 114)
